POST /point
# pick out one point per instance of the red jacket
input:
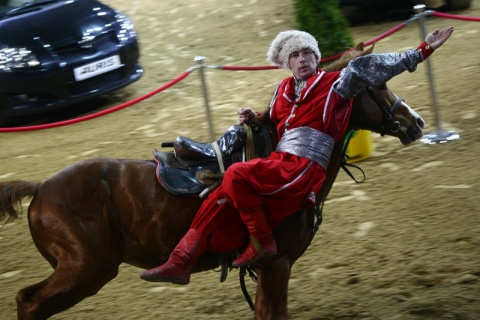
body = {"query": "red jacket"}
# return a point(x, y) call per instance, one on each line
point(283, 182)
point(318, 107)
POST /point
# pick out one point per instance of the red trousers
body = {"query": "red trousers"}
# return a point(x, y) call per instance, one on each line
point(282, 183)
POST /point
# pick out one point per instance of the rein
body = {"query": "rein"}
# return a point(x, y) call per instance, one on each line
point(344, 163)
point(387, 114)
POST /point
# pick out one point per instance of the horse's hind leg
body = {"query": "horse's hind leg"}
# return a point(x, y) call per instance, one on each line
point(70, 230)
point(83, 264)
point(65, 287)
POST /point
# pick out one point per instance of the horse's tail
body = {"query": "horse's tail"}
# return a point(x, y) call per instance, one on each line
point(11, 195)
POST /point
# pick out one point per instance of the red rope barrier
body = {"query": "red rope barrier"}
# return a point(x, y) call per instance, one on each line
point(255, 68)
point(367, 43)
point(237, 68)
point(101, 113)
point(385, 34)
point(323, 60)
point(454, 16)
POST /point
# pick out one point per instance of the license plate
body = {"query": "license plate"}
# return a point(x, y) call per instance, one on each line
point(95, 68)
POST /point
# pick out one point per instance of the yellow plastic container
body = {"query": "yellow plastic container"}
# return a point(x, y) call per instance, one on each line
point(360, 146)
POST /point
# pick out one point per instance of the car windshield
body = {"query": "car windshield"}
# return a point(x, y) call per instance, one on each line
point(9, 8)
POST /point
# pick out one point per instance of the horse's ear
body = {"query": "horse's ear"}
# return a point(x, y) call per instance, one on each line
point(370, 49)
point(359, 47)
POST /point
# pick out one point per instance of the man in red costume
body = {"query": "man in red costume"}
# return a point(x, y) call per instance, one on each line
point(311, 111)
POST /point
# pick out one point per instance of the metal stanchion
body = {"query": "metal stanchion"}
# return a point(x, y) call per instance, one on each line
point(199, 62)
point(438, 136)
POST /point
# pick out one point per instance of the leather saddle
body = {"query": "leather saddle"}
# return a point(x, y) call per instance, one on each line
point(195, 168)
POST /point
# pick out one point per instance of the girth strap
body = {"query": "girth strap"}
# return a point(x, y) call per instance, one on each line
point(249, 144)
point(218, 153)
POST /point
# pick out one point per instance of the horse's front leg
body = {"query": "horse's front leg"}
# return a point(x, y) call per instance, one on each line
point(272, 290)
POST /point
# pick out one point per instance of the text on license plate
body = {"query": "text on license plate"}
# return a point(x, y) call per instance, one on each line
point(98, 67)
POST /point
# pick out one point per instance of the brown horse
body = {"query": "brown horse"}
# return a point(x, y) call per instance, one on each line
point(92, 216)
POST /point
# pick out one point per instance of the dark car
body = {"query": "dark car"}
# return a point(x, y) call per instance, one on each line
point(54, 53)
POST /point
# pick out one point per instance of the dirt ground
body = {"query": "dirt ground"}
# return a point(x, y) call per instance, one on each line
point(403, 245)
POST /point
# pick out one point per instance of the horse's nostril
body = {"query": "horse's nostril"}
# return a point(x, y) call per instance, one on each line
point(420, 123)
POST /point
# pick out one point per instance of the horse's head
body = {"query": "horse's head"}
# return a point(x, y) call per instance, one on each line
point(378, 109)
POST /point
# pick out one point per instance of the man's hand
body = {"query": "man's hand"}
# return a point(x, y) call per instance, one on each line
point(438, 37)
point(245, 114)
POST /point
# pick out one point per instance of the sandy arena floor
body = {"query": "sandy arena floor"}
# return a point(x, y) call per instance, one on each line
point(403, 245)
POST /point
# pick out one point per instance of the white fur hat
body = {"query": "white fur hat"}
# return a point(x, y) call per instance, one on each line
point(287, 42)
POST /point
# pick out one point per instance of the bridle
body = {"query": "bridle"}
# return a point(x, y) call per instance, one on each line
point(388, 115)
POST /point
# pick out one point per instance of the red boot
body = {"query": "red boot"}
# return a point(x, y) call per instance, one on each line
point(181, 262)
point(262, 242)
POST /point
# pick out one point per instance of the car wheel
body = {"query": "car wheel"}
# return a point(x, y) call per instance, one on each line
point(458, 4)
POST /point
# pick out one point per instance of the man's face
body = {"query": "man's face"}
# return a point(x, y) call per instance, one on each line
point(303, 63)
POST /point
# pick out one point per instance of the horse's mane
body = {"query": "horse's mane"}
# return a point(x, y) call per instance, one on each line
point(342, 62)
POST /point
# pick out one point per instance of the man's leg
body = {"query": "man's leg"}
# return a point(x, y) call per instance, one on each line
point(238, 187)
point(262, 243)
point(181, 262)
